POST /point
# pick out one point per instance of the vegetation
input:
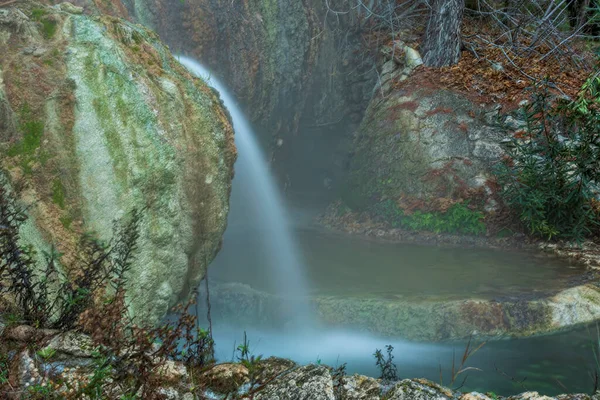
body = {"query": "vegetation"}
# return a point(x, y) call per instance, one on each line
point(128, 358)
point(462, 368)
point(49, 25)
point(387, 368)
point(551, 174)
point(458, 218)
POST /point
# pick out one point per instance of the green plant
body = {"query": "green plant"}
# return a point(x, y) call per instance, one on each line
point(338, 379)
point(41, 391)
point(387, 368)
point(49, 25)
point(46, 353)
point(551, 175)
point(251, 362)
point(458, 218)
point(32, 131)
point(3, 370)
point(47, 297)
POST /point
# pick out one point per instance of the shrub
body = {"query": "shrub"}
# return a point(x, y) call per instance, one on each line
point(387, 368)
point(552, 171)
point(45, 295)
point(128, 359)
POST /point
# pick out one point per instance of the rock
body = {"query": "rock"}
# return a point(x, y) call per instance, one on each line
point(71, 344)
point(311, 382)
point(412, 58)
point(530, 396)
point(172, 372)
point(38, 52)
point(124, 129)
point(20, 333)
point(418, 390)
point(360, 387)
point(70, 8)
point(225, 378)
point(387, 69)
point(420, 144)
point(27, 373)
point(514, 124)
point(274, 366)
point(474, 396)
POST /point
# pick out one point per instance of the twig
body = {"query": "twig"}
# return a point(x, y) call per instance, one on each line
point(6, 3)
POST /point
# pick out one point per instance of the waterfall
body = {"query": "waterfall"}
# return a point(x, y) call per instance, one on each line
point(256, 200)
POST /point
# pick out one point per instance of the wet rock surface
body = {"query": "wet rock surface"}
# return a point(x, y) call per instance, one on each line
point(420, 319)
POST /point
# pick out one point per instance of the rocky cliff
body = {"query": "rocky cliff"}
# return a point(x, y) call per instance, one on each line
point(98, 118)
point(299, 69)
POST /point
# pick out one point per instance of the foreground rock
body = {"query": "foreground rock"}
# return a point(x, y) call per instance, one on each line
point(422, 146)
point(66, 357)
point(98, 118)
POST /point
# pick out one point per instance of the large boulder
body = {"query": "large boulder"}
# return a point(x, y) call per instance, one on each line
point(100, 119)
point(423, 146)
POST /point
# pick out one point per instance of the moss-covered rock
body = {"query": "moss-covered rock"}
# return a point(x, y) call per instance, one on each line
point(100, 119)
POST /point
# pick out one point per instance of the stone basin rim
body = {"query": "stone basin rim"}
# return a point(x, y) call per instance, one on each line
point(428, 320)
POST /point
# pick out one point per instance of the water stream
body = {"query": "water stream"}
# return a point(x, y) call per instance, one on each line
point(256, 203)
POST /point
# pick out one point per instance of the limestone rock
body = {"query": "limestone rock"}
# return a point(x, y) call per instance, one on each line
point(273, 366)
point(360, 387)
point(418, 390)
point(172, 372)
point(114, 123)
point(71, 344)
point(311, 382)
point(419, 144)
point(70, 8)
point(20, 333)
point(225, 378)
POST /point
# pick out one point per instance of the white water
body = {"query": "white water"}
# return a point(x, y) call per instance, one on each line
point(257, 207)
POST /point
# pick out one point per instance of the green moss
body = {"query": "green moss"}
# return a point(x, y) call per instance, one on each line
point(48, 24)
point(58, 193)
point(66, 221)
point(32, 131)
point(459, 218)
point(38, 13)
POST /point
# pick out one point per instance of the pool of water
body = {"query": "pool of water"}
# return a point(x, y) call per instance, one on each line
point(337, 264)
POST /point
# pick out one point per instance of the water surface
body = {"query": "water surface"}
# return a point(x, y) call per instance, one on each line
point(338, 264)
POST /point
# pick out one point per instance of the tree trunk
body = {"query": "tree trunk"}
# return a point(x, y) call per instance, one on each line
point(442, 38)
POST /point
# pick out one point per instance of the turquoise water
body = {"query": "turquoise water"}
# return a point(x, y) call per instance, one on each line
point(351, 266)
point(549, 364)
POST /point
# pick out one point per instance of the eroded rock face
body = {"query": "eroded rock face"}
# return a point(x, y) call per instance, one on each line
point(311, 382)
point(418, 144)
point(299, 70)
point(103, 120)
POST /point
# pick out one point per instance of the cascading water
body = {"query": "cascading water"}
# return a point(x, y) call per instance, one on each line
point(256, 201)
